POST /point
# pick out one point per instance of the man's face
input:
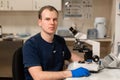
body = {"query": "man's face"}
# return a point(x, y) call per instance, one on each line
point(49, 21)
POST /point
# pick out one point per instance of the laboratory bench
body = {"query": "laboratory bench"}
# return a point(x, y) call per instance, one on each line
point(105, 74)
point(7, 49)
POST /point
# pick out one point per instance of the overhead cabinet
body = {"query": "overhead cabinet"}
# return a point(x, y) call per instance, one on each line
point(16, 5)
point(36, 4)
point(27, 5)
point(56, 3)
point(5, 4)
point(21, 4)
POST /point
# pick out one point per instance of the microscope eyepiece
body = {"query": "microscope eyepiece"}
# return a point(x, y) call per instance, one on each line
point(74, 32)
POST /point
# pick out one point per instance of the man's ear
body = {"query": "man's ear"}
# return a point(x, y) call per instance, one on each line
point(39, 22)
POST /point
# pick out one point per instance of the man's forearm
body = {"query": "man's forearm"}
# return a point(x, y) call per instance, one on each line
point(49, 75)
point(56, 75)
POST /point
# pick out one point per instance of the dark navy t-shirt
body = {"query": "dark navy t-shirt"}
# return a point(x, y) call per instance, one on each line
point(50, 56)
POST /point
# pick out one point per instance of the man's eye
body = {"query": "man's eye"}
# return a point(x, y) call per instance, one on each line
point(55, 19)
point(47, 19)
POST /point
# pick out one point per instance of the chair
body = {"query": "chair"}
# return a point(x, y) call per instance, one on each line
point(17, 65)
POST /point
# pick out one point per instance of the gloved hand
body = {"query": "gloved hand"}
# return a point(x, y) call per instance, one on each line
point(80, 72)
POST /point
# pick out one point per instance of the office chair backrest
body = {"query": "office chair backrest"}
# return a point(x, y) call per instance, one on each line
point(17, 65)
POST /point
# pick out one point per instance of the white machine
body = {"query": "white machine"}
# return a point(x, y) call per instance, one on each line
point(112, 60)
point(100, 25)
point(91, 56)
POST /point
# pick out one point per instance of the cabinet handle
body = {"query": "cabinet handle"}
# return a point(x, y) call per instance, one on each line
point(35, 4)
point(8, 4)
point(2, 4)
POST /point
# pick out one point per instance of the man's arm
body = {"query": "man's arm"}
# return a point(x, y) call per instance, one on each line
point(75, 57)
point(37, 74)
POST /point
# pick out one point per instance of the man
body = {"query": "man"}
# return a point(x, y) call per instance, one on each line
point(44, 53)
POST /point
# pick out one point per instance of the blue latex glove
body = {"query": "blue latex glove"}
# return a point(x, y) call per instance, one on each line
point(80, 72)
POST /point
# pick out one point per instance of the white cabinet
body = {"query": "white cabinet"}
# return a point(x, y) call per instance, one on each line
point(36, 4)
point(28, 5)
point(5, 4)
point(2, 2)
point(8, 4)
point(15, 5)
point(56, 3)
point(21, 5)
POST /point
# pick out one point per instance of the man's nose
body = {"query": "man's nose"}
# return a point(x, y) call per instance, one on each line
point(51, 21)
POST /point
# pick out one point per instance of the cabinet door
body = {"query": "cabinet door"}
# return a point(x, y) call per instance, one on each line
point(8, 4)
point(2, 4)
point(22, 5)
point(17, 5)
point(56, 3)
point(36, 4)
point(28, 5)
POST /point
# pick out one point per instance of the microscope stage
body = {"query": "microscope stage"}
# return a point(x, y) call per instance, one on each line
point(92, 67)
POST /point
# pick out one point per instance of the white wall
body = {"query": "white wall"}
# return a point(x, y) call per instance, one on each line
point(19, 22)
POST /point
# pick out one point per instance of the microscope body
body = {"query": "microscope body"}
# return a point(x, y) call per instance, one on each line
point(91, 56)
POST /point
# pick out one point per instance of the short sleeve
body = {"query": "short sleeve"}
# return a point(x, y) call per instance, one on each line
point(30, 54)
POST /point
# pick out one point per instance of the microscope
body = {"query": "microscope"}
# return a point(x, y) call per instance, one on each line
point(91, 56)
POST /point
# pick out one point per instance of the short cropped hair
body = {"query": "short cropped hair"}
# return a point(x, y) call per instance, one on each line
point(51, 8)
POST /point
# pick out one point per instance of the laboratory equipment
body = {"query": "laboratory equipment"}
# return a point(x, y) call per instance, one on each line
point(91, 56)
point(92, 33)
point(112, 60)
point(100, 25)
